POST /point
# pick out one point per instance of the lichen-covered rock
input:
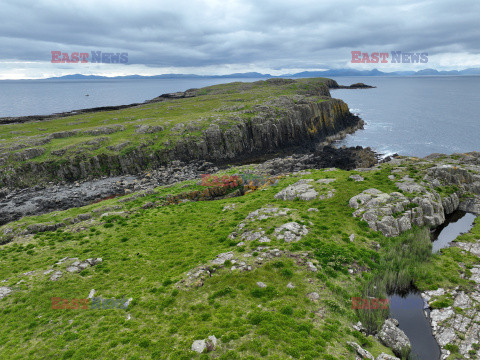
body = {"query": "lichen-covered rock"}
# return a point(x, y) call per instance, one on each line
point(300, 190)
point(221, 258)
point(207, 345)
point(56, 275)
point(4, 291)
point(78, 266)
point(325, 181)
point(394, 338)
point(471, 205)
point(105, 130)
point(291, 232)
point(450, 203)
point(199, 346)
point(267, 212)
point(311, 267)
point(28, 154)
point(356, 178)
point(395, 213)
point(314, 296)
point(36, 228)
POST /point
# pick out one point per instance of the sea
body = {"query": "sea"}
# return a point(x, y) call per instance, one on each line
point(413, 116)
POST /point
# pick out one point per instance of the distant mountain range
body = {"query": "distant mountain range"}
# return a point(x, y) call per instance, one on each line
point(325, 73)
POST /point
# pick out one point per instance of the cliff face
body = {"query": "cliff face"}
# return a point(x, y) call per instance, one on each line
point(300, 125)
point(281, 123)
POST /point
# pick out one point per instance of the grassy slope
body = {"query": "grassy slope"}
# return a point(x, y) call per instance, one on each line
point(152, 247)
point(146, 252)
point(223, 104)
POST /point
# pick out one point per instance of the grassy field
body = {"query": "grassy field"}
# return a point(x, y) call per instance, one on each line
point(147, 250)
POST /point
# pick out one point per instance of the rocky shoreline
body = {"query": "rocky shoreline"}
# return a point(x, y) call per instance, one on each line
point(15, 204)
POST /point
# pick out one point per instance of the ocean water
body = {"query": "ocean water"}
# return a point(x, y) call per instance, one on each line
point(44, 97)
point(413, 116)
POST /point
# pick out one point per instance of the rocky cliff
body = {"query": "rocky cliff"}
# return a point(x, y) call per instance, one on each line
point(277, 123)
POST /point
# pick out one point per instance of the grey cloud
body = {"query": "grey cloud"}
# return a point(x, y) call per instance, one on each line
point(277, 34)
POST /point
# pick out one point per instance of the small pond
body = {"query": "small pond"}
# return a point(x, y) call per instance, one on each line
point(409, 309)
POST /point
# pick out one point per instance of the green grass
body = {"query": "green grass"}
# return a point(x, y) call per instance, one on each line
point(146, 252)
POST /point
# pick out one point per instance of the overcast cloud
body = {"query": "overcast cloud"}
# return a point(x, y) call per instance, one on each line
point(220, 37)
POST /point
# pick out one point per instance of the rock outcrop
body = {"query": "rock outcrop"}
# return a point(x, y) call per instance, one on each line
point(457, 326)
point(205, 345)
point(394, 338)
point(395, 213)
point(444, 184)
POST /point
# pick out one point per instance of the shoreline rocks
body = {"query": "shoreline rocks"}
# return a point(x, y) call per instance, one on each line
point(15, 204)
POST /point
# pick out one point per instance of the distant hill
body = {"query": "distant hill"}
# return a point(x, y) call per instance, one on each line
point(252, 75)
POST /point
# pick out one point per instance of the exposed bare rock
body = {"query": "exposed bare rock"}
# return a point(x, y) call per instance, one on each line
point(301, 190)
point(148, 129)
point(395, 213)
point(356, 178)
point(4, 291)
point(291, 232)
point(56, 275)
point(394, 338)
point(314, 296)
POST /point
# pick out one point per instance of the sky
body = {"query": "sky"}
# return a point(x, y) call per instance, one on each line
point(228, 36)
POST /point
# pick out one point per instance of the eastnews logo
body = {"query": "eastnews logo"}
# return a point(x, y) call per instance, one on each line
point(369, 303)
point(97, 57)
point(398, 57)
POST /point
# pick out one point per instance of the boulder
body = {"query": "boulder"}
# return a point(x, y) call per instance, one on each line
point(394, 338)
point(205, 345)
point(199, 346)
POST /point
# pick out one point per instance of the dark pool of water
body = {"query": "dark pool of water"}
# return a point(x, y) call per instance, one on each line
point(409, 309)
point(456, 223)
